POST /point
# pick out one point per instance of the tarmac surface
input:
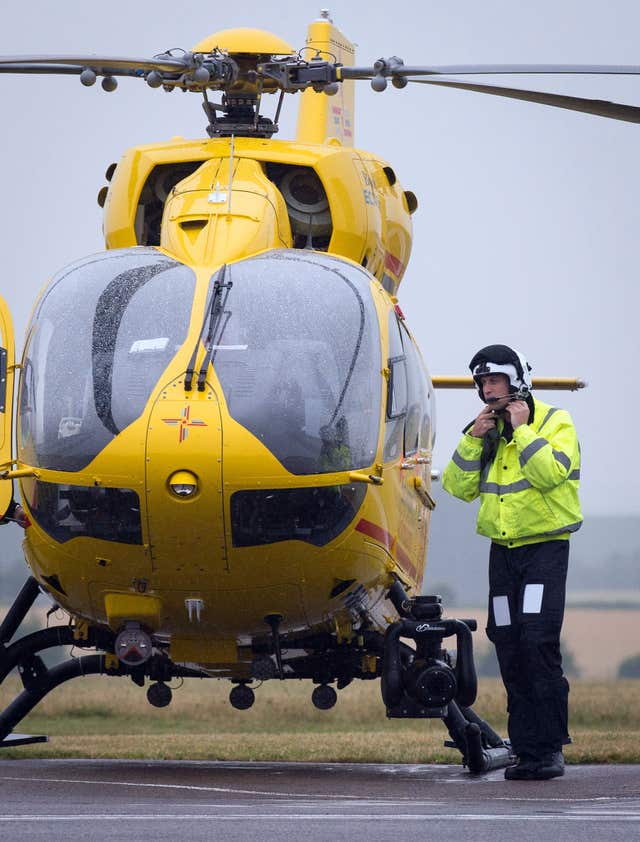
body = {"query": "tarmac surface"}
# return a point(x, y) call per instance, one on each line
point(246, 802)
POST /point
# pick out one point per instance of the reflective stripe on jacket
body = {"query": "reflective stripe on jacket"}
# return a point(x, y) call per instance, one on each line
point(529, 493)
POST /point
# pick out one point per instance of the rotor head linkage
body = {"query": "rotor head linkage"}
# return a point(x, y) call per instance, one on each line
point(88, 77)
point(388, 67)
point(252, 73)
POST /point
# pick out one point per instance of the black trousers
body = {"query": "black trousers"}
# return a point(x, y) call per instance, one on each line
point(526, 608)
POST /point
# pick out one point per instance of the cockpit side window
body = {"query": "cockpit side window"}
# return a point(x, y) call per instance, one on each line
point(397, 395)
point(409, 405)
point(417, 432)
point(101, 337)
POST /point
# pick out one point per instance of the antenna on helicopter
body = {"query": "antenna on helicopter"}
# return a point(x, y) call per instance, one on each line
point(309, 243)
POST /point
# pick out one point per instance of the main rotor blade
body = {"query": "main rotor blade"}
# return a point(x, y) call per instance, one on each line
point(599, 107)
point(395, 67)
point(75, 64)
point(41, 68)
point(532, 69)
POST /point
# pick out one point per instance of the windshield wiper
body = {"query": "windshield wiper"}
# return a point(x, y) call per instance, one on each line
point(212, 320)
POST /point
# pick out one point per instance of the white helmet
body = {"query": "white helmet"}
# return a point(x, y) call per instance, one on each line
point(500, 359)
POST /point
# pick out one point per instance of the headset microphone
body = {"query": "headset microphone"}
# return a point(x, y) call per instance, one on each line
point(520, 395)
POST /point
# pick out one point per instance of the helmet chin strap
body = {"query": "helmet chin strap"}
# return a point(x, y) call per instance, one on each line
point(520, 395)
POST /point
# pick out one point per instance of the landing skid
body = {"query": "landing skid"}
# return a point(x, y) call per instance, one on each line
point(38, 680)
point(12, 740)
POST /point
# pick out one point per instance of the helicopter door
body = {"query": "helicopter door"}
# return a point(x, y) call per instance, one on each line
point(7, 353)
point(407, 448)
point(417, 445)
point(184, 485)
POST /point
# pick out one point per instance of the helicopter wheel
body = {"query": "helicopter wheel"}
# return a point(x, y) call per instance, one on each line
point(324, 697)
point(159, 695)
point(242, 697)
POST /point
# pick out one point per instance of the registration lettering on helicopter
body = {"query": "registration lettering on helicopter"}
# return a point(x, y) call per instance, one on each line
point(342, 121)
point(369, 191)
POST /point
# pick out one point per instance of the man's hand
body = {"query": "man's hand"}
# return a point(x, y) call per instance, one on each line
point(518, 413)
point(484, 422)
point(20, 517)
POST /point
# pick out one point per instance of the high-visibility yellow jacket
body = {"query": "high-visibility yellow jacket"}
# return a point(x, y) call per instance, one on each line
point(529, 492)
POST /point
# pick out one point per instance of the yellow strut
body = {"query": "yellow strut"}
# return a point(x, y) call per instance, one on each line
point(454, 381)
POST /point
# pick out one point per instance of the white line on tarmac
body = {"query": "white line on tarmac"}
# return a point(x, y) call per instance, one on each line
point(224, 789)
point(321, 817)
point(354, 799)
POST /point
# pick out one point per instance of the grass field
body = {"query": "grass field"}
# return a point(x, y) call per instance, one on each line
point(100, 717)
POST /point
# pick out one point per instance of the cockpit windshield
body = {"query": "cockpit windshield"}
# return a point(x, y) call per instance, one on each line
point(296, 349)
point(101, 336)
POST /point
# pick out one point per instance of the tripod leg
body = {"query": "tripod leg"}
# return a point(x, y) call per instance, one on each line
point(481, 748)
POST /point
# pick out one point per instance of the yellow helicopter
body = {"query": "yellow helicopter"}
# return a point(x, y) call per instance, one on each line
point(224, 426)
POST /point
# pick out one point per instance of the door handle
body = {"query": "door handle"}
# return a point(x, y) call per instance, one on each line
point(372, 479)
point(425, 498)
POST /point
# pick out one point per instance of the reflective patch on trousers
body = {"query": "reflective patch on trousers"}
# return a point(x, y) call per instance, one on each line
point(501, 613)
point(532, 599)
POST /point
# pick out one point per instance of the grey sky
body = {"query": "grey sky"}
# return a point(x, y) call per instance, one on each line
point(527, 227)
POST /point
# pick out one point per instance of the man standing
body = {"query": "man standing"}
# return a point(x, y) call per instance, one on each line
point(15, 513)
point(522, 458)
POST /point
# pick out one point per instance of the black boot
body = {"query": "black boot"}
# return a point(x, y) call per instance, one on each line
point(523, 769)
point(552, 766)
point(527, 769)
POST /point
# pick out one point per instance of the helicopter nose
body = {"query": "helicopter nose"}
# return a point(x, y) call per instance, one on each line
point(184, 479)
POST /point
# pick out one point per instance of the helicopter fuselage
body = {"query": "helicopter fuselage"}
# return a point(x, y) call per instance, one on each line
point(180, 195)
point(225, 414)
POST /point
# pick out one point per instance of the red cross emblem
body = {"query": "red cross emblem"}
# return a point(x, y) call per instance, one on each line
point(183, 423)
